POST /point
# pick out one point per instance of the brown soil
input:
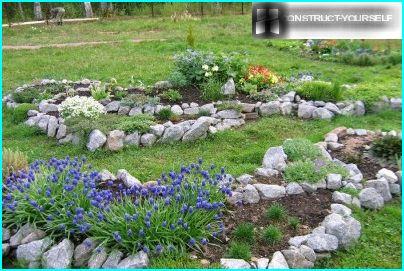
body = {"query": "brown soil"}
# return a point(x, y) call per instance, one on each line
point(311, 209)
point(354, 152)
point(278, 180)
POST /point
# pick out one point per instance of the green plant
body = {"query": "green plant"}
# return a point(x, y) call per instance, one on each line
point(19, 113)
point(140, 123)
point(177, 79)
point(171, 95)
point(272, 235)
point(263, 96)
point(13, 161)
point(351, 191)
point(229, 105)
point(249, 88)
point(276, 212)
point(27, 95)
point(139, 100)
point(244, 232)
point(239, 250)
point(203, 112)
point(165, 114)
point(212, 90)
point(111, 84)
point(320, 91)
point(387, 147)
point(294, 222)
point(300, 149)
point(99, 93)
point(120, 94)
point(190, 37)
point(312, 171)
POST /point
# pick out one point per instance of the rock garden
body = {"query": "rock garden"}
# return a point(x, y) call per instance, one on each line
point(295, 210)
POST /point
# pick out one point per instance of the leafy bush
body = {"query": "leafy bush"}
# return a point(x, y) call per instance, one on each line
point(55, 196)
point(300, 149)
point(249, 88)
point(294, 222)
point(13, 162)
point(171, 95)
point(140, 123)
point(211, 90)
point(394, 58)
point(177, 79)
point(165, 114)
point(120, 94)
point(139, 100)
point(19, 113)
point(276, 212)
point(261, 77)
point(239, 250)
point(181, 211)
point(199, 66)
point(263, 96)
point(387, 147)
point(190, 37)
point(311, 171)
point(81, 107)
point(229, 105)
point(244, 232)
point(320, 91)
point(272, 235)
point(26, 96)
point(351, 191)
point(99, 93)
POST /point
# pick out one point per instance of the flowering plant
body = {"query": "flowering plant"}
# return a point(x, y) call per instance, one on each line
point(261, 76)
point(86, 107)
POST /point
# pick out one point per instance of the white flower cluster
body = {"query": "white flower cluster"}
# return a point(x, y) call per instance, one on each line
point(77, 106)
point(205, 67)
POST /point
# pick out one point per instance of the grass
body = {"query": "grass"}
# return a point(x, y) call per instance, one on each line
point(272, 235)
point(244, 232)
point(299, 149)
point(276, 212)
point(379, 245)
point(239, 250)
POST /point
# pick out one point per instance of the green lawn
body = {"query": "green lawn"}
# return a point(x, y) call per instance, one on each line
point(241, 150)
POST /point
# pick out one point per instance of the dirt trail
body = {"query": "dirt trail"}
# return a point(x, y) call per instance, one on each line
point(70, 44)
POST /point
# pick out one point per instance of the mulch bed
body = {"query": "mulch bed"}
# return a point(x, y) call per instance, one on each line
point(311, 209)
point(277, 179)
point(354, 152)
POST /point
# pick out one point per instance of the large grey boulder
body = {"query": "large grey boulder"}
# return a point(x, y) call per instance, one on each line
point(135, 111)
point(23, 232)
point(6, 234)
point(112, 107)
point(177, 110)
point(234, 264)
point(33, 236)
point(295, 259)
point(322, 242)
point(157, 129)
point(371, 199)
point(346, 229)
point(278, 261)
point(62, 130)
point(286, 108)
point(359, 108)
point(132, 139)
point(296, 241)
point(96, 140)
point(98, 258)
point(172, 134)
point(322, 113)
point(59, 256)
point(52, 126)
point(305, 111)
point(148, 139)
point(340, 209)
point(333, 108)
point(198, 129)
point(250, 194)
point(382, 187)
point(33, 251)
point(294, 189)
point(389, 175)
point(82, 252)
point(46, 107)
point(229, 114)
point(340, 197)
point(229, 88)
point(113, 259)
point(245, 179)
point(308, 253)
point(115, 140)
point(275, 158)
point(127, 179)
point(270, 108)
point(139, 260)
point(270, 191)
point(334, 181)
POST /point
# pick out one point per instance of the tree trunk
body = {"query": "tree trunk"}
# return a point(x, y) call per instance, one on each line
point(21, 11)
point(38, 11)
point(202, 9)
point(110, 7)
point(88, 9)
point(242, 8)
point(152, 9)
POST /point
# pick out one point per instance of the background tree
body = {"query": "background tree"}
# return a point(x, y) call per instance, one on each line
point(88, 9)
point(38, 11)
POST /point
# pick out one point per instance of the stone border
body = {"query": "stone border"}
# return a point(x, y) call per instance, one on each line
point(188, 130)
point(338, 230)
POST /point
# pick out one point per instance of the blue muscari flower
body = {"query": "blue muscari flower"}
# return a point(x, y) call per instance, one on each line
point(130, 233)
point(200, 161)
point(100, 217)
point(172, 227)
point(145, 249)
point(167, 201)
point(159, 249)
point(49, 218)
point(141, 233)
point(204, 241)
point(135, 217)
point(164, 224)
point(88, 243)
point(127, 217)
point(191, 242)
point(185, 226)
point(148, 224)
point(117, 236)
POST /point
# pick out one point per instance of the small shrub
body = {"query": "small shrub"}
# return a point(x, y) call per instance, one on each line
point(19, 114)
point(190, 37)
point(140, 123)
point(120, 94)
point(177, 79)
point(364, 59)
point(139, 100)
point(294, 222)
point(320, 91)
point(226, 105)
point(165, 114)
point(387, 147)
point(276, 212)
point(249, 88)
point(26, 96)
point(351, 191)
point(13, 161)
point(261, 77)
point(272, 235)
point(211, 90)
point(81, 107)
point(171, 95)
point(311, 171)
point(203, 113)
point(263, 96)
point(394, 58)
point(99, 93)
point(244, 232)
point(300, 149)
point(239, 250)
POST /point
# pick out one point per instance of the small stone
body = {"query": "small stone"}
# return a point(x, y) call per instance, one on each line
point(177, 110)
point(250, 194)
point(334, 181)
point(262, 263)
point(234, 264)
point(135, 111)
point(6, 234)
point(127, 179)
point(148, 140)
point(266, 172)
point(295, 259)
point(309, 187)
point(343, 198)
point(132, 139)
point(163, 85)
point(322, 242)
point(286, 108)
point(61, 131)
point(278, 261)
point(334, 146)
point(82, 252)
point(96, 140)
point(106, 176)
point(268, 191)
point(389, 175)
point(382, 187)
point(346, 229)
point(275, 158)
point(340, 209)
point(395, 188)
point(371, 199)
point(229, 114)
point(305, 111)
point(294, 189)
point(236, 198)
point(322, 113)
point(124, 110)
point(139, 260)
point(33, 251)
point(112, 107)
point(245, 179)
point(361, 132)
point(157, 129)
point(23, 232)
point(113, 259)
point(115, 140)
point(59, 256)
point(6, 249)
point(308, 253)
point(198, 129)
point(229, 88)
point(296, 241)
point(331, 137)
point(172, 134)
point(33, 236)
point(270, 108)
